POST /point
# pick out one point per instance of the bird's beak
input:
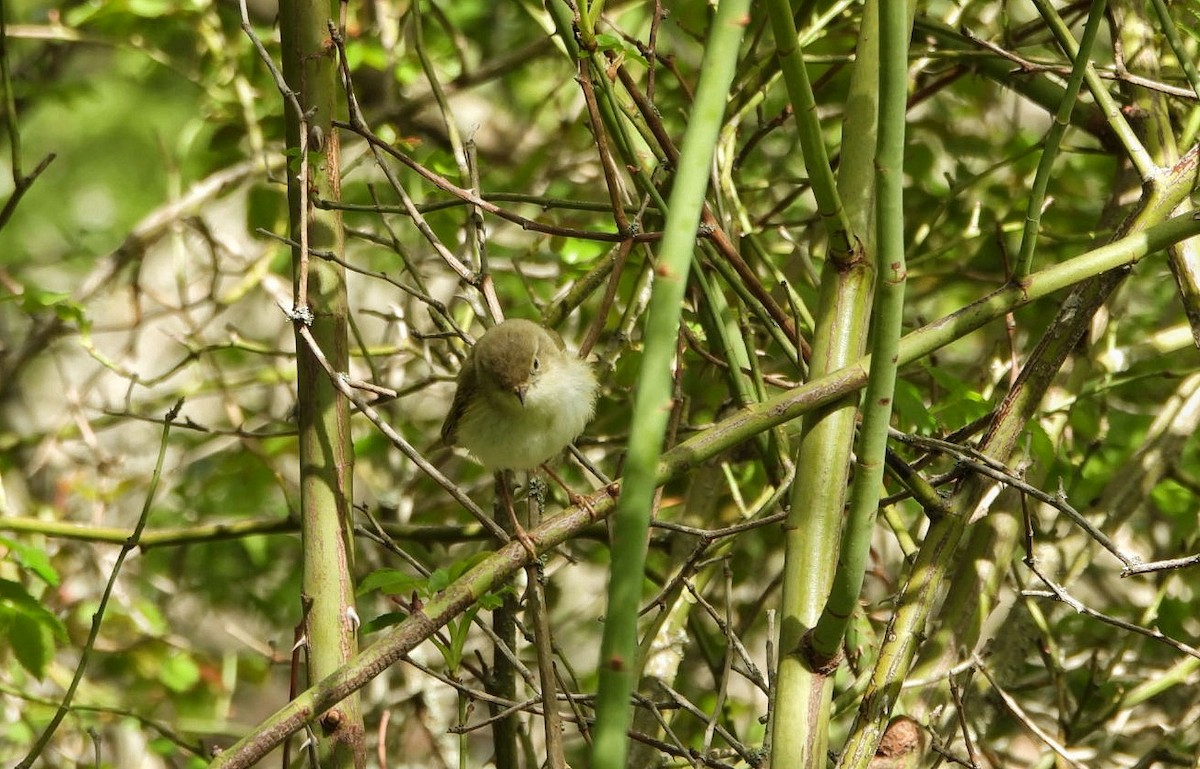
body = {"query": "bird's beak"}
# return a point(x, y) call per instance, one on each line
point(520, 393)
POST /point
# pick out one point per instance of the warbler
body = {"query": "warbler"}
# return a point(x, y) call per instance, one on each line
point(521, 397)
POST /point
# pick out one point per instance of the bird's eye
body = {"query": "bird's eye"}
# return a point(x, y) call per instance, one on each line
point(536, 364)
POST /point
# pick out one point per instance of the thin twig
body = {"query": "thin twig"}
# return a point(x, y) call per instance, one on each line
point(744, 752)
point(1020, 715)
point(1058, 593)
point(544, 645)
point(130, 544)
point(1027, 66)
point(985, 466)
point(961, 716)
point(21, 186)
point(21, 182)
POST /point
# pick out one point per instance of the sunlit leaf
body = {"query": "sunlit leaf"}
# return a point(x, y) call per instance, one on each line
point(179, 672)
point(32, 558)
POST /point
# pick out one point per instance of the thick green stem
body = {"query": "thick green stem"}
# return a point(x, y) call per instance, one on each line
point(891, 275)
point(326, 456)
point(800, 713)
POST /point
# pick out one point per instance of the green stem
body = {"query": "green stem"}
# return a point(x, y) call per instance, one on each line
point(326, 456)
point(808, 130)
point(1182, 55)
point(835, 385)
point(1054, 136)
point(10, 104)
point(800, 714)
point(891, 275)
point(618, 651)
point(937, 554)
point(589, 12)
point(1138, 155)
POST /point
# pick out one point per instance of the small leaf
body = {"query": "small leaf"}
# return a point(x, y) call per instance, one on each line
point(33, 559)
point(265, 208)
point(606, 42)
point(31, 643)
point(459, 568)
point(910, 407)
point(490, 601)
point(34, 300)
point(460, 631)
point(16, 596)
point(32, 629)
point(150, 9)
point(384, 621)
point(439, 580)
point(391, 582)
point(179, 673)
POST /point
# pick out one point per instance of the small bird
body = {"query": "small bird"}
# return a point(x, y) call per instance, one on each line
point(520, 398)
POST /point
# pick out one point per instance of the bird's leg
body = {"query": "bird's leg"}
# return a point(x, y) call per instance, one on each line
point(572, 497)
point(503, 485)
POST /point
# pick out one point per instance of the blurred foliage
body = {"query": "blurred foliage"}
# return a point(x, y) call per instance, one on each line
point(139, 270)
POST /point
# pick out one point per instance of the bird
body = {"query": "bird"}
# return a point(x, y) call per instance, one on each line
point(520, 397)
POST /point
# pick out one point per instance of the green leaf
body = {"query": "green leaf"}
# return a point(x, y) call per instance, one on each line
point(1177, 502)
point(439, 581)
point(31, 641)
point(150, 9)
point(391, 582)
point(266, 207)
point(384, 621)
point(444, 650)
point(459, 568)
point(1041, 445)
point(179, 672)
point(577, 251)
point(490, 601)
point(33, 559)
point(459, 631)
point(161, 746)
point(15, 599)
point(17, 733)
point(368, 53)
point(31, 628)
point(910, 408)
point(35, 300)
point(608, 42)
point(958, 404)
